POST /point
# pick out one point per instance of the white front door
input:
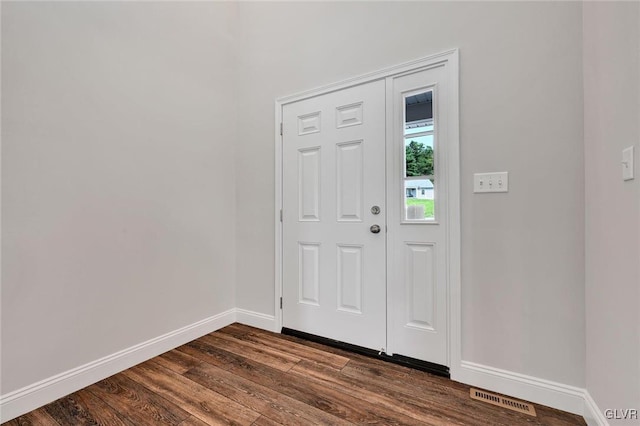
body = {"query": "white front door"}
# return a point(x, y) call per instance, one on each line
point(382, 153)
point(334, 262)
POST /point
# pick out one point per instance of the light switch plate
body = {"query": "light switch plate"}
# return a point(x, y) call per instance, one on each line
point(627, 163)
point(491, 182)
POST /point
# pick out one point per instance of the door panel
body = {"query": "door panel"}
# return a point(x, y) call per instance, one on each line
point(309, 184)
point(334, 268)
point(417, 220)
point(420, 285)
point(350, 174)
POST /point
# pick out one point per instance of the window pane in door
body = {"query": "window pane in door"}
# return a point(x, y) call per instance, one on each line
point(419, 159)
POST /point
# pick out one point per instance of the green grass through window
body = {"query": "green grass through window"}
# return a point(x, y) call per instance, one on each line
point(428, 206)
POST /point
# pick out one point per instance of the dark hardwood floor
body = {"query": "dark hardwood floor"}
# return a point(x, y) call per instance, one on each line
point(245, 376)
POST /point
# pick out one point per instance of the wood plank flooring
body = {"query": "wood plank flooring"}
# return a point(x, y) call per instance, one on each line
point(244, 376)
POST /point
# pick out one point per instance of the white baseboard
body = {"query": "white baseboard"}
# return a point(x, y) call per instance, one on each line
point(256, 319)
point(540, 391)
point(557, 395)
point(30, 397)
point(592, 413)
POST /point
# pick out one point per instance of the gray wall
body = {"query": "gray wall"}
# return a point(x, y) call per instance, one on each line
point(611, 123)
point(123, 217)
point(118, 194)
point(521, 111)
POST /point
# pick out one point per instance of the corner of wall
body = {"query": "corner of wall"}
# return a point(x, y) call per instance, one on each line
point(545, 392)
point(30, 397)
point(592, 413)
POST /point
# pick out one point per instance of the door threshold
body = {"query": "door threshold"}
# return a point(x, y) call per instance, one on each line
point(416, 364)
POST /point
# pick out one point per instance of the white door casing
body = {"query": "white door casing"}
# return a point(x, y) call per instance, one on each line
point(411, 247)
point(334, 172)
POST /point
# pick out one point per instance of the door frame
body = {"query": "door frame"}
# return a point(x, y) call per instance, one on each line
point(451, 62)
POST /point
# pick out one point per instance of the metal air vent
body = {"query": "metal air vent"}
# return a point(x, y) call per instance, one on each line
point(501, 401)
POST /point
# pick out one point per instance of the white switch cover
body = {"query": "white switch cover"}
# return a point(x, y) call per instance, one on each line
point(627, 163)
point(491, 182)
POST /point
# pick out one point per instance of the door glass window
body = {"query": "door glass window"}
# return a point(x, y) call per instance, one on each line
point(419, 159)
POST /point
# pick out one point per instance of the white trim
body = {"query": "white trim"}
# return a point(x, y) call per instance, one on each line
point(454, 239)
point(411, 66)
point(450, 58)
point(592, 413)
point(278, 216)
point(30, 397)
point(256, 319)
point(540, 391)
point(391, 250)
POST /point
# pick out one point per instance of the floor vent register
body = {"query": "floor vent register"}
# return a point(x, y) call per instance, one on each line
point(501, 401)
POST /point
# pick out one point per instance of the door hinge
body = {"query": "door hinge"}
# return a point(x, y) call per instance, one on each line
point(280, 215)
point(281, 130)
point(281, 303)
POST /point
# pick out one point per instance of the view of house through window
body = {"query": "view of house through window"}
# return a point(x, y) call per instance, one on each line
point(419, 182)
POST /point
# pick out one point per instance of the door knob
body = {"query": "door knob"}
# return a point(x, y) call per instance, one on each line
point(375, 229)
